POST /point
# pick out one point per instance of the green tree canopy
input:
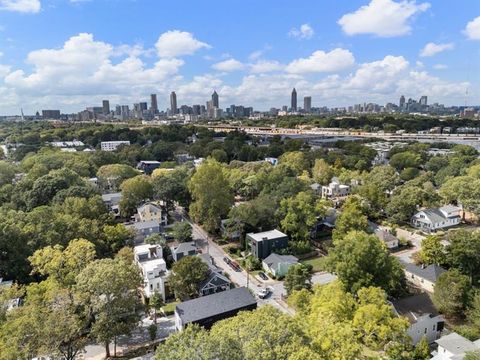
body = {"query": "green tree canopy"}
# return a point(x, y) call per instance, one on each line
point(187, 274)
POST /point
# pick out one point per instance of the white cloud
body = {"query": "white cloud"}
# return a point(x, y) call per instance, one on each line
point(304, 32)
point(379, 76)
point(384, 18)
point(432, 49)
point(177, 43)
point(265, 66)
point(472, 30)
point(440, 66)
point(228, 65)
point(24, 6)
point(321, 61)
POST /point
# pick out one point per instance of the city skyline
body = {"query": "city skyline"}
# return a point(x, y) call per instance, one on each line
point(329, 51)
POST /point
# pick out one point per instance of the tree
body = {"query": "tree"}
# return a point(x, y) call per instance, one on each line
point(156, 302)
point(187, 274)
point(172, 187)
point(299, 215)
point(111, 176)
point(362, 260)
point(109, 288)
point(464, 190)
point(182, 231)
point(452, 292)
point(212, 196)
point(156, 239)
point(322, 173)
point(463, 252)
point(472, 355)
point(152, 332)
point(295, 160)
point(351, 218)
point(376, 184)
point(403, 204)
point(298, 277)
point(406, 159)
point(134, 192)
point(422, 350)
point(7, 173)
point(432, 251)
point(117, 236)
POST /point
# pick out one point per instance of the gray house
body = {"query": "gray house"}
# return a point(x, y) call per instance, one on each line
point(184, 249)
point(278, 265)
point(144, 229)
point(264, 243)
point(207, 310)
point(215, 281)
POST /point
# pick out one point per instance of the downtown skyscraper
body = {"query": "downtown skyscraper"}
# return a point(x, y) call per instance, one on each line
point(173, 103)
point(153, 103)
point(294, 100)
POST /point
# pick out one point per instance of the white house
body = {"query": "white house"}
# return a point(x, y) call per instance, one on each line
point(112, 145)
point(423, 277)
point(112, 202)
point(424, 319)
point(278, 265)
point(149, 258)
point(335, 189)
point(430, 220)
point(454, 347)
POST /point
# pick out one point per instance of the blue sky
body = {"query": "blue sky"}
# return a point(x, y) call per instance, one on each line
point(71, 54)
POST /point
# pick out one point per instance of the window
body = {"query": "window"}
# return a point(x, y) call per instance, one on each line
point(425, 331)
point(151, 287)
point(433, 327)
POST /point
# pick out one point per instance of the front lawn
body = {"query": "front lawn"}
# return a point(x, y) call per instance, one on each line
point(169, 308)
point(316, 263)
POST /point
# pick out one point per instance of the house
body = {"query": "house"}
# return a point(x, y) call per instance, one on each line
point(207, 310)
point(271, 160)
point(112, 145)
point(390, 240)
point(144, 229)
point(9, 303)
point(216, 281)
point(278, 265)
point(148, 166)
point(423, 277)
point(112, 202)
point(149, 258)
point(335, 189)
point(264, 243)
point(184, 249)
point(425, 321)
point(316, 188)
point(454, 347)
point(151, 212)
point(430, 220)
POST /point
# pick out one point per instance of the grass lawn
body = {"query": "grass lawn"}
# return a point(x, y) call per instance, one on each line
point(316, 262)
point(170, 307)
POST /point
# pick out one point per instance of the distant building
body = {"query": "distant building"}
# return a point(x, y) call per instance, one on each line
point(431, 220)
point(272, 160)
point(278, 265)
point(335, 189)
point(207, 310)
point(307, 104)
point(423, 100)
point(215, 102)
point(264, 243)
point(294, 100)
point(51, 114)
point(425, 321)
point(153, 103)
point(147, 166)
point(106, 107)
point(149, 258)
point(173, 103)
point(112, 145)
point(401, 104)
point(454, 347)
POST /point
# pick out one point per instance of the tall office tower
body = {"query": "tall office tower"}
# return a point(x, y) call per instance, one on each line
point(143, 106)
point(307, 104)
point(215, 100)
point(294, 100)
point(153, 103)
point(118, 110)
point(196, 109)
point(402, 102)
point(173, 103)
point(423, 100)
point(105, 107)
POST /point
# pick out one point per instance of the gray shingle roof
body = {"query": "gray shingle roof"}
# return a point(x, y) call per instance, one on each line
point(185, 247)
point(144, 225)
point(456, 344)
point(430, 273)
point(215, 304)
point(273, 260)
point(415, 306)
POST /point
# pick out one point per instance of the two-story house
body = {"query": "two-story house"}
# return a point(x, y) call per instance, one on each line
point(421, 276)
point(454, 347)
point(149, 258)
point(151, 212)
point(335, 189)
point(264, 243)
point(431, 220)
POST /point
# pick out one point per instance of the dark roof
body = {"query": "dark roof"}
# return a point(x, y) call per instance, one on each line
point(185, 247)
point(415, 306)
point(215, 278)
point(430, 272)
point(215, 304)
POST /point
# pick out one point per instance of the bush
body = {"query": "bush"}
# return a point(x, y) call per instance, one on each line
point(152, 332)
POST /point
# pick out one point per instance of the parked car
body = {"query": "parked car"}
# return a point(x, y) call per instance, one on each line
point(263, 293)
point(227, 260)
point(235, 266)
point(263, 276)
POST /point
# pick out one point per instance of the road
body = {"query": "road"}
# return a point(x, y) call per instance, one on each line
point(416, 240)
point(240, 278)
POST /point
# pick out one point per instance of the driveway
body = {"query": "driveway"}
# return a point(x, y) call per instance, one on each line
point(415, 239)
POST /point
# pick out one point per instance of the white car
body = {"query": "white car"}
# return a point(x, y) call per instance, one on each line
point(263, 293)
